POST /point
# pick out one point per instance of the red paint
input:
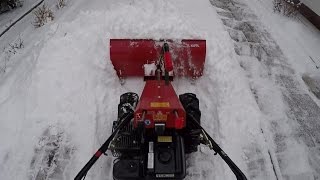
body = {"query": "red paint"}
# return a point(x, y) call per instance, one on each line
point(157, 91)
point(168, 62)
point(158, 102)
point(98, 154)
point(179, 123)
point(129, 55)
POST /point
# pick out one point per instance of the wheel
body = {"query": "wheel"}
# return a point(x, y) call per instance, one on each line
point(189, 99)
point(129, 97)
point(190, 103)
point(127, 100)
point(127, 136)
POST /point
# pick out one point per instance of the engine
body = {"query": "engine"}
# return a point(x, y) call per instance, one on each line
point(151, 153)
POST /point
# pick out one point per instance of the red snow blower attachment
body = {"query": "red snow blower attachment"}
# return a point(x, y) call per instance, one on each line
point(132, 57)
point(152, 134)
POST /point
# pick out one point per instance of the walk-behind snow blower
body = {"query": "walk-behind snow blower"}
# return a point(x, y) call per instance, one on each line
point(153, 134)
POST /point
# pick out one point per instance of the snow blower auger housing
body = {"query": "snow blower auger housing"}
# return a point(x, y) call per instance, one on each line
point(153, 134)
point(132, 57)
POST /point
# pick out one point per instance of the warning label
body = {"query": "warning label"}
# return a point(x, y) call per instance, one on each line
point(159, 116)
point(159, 104)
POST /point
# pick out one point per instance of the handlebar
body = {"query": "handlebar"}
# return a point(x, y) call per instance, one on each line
point(236, 171)
point(125, 119)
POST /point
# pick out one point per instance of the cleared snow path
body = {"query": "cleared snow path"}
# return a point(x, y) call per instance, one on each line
point(292, 115)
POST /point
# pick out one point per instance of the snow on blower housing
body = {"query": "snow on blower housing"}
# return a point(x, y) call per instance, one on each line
point(153, 134)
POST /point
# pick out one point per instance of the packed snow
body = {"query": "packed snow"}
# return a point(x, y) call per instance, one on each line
point(59, 93)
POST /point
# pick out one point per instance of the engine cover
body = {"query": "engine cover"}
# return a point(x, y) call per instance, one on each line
point(161, 105)
point(162, 157)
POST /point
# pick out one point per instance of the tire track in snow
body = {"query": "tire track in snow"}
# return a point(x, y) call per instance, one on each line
point(275, 87)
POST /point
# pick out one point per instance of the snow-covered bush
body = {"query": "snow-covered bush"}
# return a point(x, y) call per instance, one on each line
point(13, 47)
point(286, 7)
point(7, 5)
point(9, 51)
point(61, 3)
point(42, 15)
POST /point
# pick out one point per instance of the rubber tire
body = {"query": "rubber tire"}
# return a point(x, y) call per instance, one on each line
point(190, 103)
point(127, 100)
point(129, 97)
point(189, 99)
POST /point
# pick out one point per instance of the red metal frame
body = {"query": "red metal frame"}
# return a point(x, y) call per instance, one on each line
point(161, 104)
point(129, 55)
point(158, 102)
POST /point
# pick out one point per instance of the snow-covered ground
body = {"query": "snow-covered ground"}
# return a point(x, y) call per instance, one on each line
point(59, 94)
point(10, 16)
point(291, 112)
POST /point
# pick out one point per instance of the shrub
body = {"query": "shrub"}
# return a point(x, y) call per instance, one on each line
point(9, 51)
point(7, 5)
point(288, 8)
point(43, 14)
point(61, 3)
point(13, 47)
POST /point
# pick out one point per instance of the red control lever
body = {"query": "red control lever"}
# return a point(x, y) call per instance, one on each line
point(179, 121)
point(168, 65)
